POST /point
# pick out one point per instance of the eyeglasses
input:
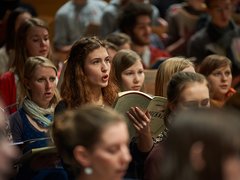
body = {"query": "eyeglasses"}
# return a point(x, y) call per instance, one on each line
point(196, 104)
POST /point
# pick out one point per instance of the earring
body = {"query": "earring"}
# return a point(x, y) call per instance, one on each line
point(88, 170)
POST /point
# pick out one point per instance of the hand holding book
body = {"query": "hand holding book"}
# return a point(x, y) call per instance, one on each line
point(155, 105)
point(141, 122)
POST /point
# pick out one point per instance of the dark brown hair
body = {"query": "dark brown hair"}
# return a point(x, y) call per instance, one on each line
point(213, 62)
point(74, 89)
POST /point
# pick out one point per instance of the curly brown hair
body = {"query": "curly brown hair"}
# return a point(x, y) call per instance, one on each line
point(74, 89)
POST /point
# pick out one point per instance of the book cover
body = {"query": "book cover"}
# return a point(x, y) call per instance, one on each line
point(38, 158)
point(154, 104)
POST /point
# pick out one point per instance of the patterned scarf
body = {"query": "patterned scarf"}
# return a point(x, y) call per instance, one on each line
point(41, 116)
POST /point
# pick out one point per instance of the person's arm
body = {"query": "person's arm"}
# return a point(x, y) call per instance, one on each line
point(141, 122)
point(16, 127)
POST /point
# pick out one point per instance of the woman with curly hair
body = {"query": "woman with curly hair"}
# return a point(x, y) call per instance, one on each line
point(87, 78)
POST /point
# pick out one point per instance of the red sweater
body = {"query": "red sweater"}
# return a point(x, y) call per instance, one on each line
point(8, 91)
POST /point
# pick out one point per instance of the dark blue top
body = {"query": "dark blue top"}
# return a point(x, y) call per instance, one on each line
point(23, 130)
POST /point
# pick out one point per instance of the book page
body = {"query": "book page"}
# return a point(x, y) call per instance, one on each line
point(157, 108)
point(129, 99)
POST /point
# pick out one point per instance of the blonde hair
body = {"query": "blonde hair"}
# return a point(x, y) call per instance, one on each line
point(30, 67)
point(165, 72)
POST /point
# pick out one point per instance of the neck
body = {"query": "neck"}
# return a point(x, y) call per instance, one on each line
point(219, 97)
point(97, 97)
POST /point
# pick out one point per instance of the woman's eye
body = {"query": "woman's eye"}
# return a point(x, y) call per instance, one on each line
point(52, 79)
point(95, 62)
point(190, 104)
point(129, 73)
point(217, 74)
point(140, 72)
point(107, 60)
point(35, 40)
point(113, 150)
point(227, 73)
point(40, 80)
point(205, 103)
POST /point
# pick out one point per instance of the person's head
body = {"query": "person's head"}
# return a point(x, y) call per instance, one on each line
point(93, 138)
point(32, 40)
point(187, 90)
point(167, 69)
point(88, 72)
point(15, 19)
point(217, 70)
point(220, 12)
point(121, 40)
point(135, 21)
point(203, 145)
point(128, 70)
point(112, 49)
point(40, 81)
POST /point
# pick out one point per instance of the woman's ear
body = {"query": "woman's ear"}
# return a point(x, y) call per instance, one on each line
point(82, 156)
point(196, 156)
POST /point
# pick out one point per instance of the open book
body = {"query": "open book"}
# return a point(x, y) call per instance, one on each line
point(156, 106)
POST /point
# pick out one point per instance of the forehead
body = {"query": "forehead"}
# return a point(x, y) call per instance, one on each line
point(100, 52)
point(143, 19)
point(37, 29)
point(136, 65)
point(223, 68)
point(43, 70)
point(194, 91)
point(110, 134)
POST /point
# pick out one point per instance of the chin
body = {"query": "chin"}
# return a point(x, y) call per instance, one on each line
point(104, 85)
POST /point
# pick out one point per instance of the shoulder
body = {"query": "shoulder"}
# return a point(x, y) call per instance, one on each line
point(7, 75)
point(199, 35)
point(175, 8)
point(7, 79)
point(110, 8)
point(65, 8)
point(15, 119)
